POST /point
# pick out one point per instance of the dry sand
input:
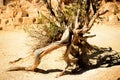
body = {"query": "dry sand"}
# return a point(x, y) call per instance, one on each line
point(12, 46)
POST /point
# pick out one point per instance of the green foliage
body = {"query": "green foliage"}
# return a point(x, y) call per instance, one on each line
point(42, 19)
point(54, 32)
point(49, 26)
point(70, 12)
point(66, 17)
point(54, 26)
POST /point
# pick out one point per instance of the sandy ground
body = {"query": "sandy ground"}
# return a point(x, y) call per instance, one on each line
point(107, 35)
point(13, 45)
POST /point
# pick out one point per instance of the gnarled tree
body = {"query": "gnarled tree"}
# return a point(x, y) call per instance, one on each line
point(74, 37)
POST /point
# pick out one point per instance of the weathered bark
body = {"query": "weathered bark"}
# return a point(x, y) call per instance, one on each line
point(73, 37)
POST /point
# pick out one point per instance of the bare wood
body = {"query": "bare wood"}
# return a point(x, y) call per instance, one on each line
point(76, 20)
point(67, 60)
point(66, 40)
point(87, 28)
point(51, 49)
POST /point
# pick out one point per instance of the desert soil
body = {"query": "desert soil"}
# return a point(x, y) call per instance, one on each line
point(13, 45)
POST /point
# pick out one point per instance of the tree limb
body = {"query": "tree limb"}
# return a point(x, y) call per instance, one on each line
point(85, 29)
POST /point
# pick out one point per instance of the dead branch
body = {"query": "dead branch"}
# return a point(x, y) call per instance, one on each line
point(76, 20)
point(86, 28)
point(69, 38)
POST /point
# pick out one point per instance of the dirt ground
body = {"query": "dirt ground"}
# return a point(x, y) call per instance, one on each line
point(13, 45)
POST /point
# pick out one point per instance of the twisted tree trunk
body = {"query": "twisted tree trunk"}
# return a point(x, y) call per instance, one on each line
point(74, 36)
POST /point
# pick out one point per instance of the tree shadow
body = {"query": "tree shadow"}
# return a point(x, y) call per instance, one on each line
point(36, 70)
point(47, 71)
point(99, 58)
point(105, 57)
